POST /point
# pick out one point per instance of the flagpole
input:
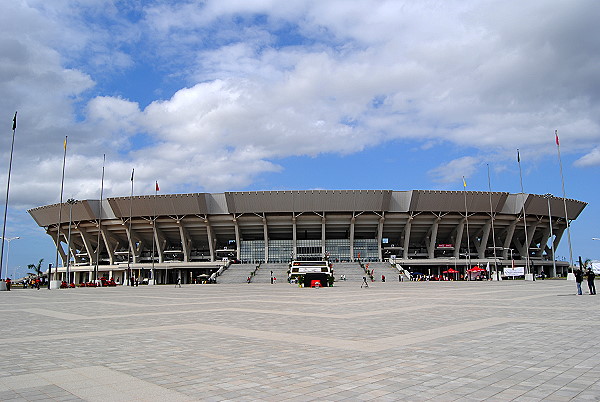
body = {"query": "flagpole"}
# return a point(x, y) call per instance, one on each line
point(100, 219)
point(524, 216)
point(12, 146)
point(154, 230)
point(130, 237)
point(62, 186)
point(467, 221)
point(493, 217)
point(562, 179)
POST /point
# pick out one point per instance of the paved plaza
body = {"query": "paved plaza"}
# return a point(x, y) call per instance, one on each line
point(510, 340)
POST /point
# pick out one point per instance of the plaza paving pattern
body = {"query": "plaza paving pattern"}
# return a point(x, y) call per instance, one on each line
point(510, 340)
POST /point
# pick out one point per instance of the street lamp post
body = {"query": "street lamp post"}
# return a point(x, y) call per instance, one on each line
point(8, 240)
point(547, 197)
point(71, 202)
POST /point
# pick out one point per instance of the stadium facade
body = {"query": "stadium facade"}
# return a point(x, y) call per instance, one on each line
point(186, 235)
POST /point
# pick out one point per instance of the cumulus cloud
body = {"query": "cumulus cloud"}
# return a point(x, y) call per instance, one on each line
point(455, 170)
point(592, 158)
point(253, 82)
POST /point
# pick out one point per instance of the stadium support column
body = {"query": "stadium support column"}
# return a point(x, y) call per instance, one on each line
point(185, 241)
point(352, 221)
point(481, 245)
point(509, 237)
point(109, 248)
point(433, 239)
point(266, 237)
point(458, 241)
point(323, 251)
point(558, 233)
point(209, 234)
point(294, 237)
point(61, 251)
point(380, 238)
point(406, 244)
point(237, 238)
point(85, 237)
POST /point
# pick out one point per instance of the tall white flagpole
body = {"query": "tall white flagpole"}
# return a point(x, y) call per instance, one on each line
point(524, 215)
point(467, 221)
point(562, 179)
point(130, 236)
point(12, 146)
point(493, 217)
point(62, 186)
point(100, 219)
point(154, 231)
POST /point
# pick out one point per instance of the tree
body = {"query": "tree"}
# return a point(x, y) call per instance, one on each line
point(35, 269)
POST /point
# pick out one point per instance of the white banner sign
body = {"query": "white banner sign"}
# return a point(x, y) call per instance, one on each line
point(516, 271)
point(596, 267)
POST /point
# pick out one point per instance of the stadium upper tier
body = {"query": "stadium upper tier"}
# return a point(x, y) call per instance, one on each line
point(273, 226)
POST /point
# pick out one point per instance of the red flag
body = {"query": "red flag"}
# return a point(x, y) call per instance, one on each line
point(556, 134)
point(157, 189)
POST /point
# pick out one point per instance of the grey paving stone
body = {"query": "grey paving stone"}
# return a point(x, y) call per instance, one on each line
point(415, 341)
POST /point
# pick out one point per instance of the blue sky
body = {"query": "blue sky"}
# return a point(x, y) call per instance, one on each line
point(232, 95)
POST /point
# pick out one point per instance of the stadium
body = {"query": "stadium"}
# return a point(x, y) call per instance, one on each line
point(225, 236)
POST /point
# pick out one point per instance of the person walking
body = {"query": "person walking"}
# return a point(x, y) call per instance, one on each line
point(590, 280)
point(578, 279)
point(178, 284)
point(365, 284)
point(8, 283)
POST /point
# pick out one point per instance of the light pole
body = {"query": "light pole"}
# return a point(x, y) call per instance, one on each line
point(71, 202)
point(8, 240)
point(547, 197)
point(512, 259)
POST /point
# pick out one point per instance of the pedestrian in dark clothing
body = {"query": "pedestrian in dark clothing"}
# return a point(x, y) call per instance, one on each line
point(578, 279)
point(8, 283)
point(365, 284)
point(590, 280)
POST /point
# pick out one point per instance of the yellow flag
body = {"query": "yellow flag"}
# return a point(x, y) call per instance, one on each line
point(464, 182)
point(65, 144)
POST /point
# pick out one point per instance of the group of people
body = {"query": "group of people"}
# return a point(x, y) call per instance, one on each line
point(590, 280)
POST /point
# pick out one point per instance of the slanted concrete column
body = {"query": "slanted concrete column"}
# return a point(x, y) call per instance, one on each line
point(509, 237)
point(482, 244)
point(380, 238)
point(458, 241)
point(266, 237)
point(237, 239)
point(323, 236)
point(407, 228)
point(294, 238)
point(110, 249)
point(352, 221)
point(185, 241)
point(85, 237)
point(211, 245)
point(433, 239)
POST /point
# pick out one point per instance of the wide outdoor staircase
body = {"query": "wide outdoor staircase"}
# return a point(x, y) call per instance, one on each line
point(384, 268)
point(236, 273)
point(352, 271)
point(263, 275)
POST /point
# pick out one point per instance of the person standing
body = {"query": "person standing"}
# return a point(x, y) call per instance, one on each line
point(590, 280)
point(365, 284)
point(8, 283)
point(578, 279)
point(178, 282)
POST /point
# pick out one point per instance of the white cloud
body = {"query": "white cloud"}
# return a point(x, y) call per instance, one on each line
point(258, 81)
point(455, 170)
point(592, 158)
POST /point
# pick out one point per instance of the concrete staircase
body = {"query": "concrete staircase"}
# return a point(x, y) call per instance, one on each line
point(352, 270)
point(236, 273)
point(263, 275)
point(384, 268)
